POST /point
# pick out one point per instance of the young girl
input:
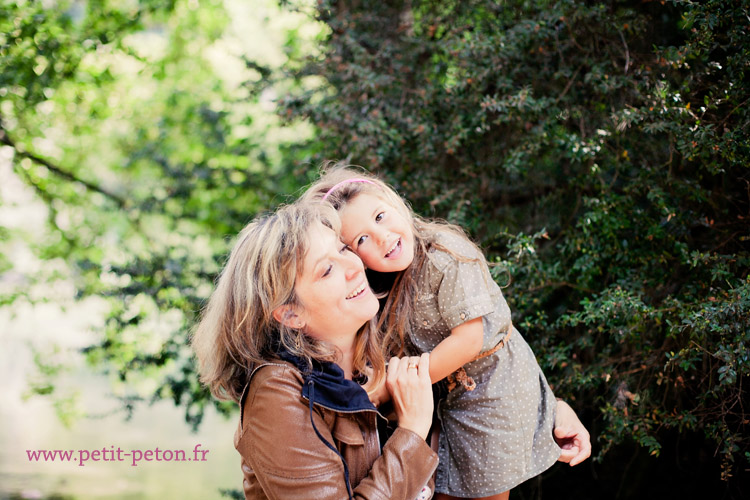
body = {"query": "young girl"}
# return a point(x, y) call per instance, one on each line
point(497, 418)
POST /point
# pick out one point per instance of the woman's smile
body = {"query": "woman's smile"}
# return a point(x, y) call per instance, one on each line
point(335, 298)
point(360, 290)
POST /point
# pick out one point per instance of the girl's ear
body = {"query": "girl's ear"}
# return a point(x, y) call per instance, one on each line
point(289, 316)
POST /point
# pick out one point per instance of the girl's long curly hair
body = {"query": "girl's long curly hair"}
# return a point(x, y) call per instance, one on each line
point(397, 314)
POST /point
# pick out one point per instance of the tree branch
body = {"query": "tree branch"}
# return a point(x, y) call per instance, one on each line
point(5, 139)
point(627, 52)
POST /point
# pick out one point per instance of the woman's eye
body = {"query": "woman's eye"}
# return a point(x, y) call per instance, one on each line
point(328, 270)
point(379, 217)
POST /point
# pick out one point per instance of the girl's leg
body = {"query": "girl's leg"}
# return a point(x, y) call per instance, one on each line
point(499, 496)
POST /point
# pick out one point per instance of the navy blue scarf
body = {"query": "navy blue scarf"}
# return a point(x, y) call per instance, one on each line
point(325, 385)
point(332, 389)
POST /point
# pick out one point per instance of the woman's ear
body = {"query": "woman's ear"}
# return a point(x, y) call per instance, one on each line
point(289, 316)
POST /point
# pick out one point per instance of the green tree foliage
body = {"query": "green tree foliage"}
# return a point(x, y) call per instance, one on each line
point(600, 152)
point(117, 115)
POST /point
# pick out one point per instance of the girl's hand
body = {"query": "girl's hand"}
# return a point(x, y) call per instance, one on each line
point(378, 395)
point(408, 381)
point(571, 435)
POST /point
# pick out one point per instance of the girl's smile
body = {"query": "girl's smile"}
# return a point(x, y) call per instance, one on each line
point(378, 233)
point(395, 251)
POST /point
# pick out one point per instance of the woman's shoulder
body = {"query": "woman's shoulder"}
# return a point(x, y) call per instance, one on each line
point(278, 376)
point(276, 370)
point(272, 385)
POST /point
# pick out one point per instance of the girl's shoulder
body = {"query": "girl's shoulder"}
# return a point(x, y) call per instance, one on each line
point(453, 246)
point(448, 248)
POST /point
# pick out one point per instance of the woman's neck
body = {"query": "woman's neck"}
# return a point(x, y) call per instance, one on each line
point(345, 359)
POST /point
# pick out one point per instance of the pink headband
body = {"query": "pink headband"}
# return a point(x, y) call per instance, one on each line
point(346, 181)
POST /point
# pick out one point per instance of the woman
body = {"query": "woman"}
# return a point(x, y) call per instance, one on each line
point(285, 333)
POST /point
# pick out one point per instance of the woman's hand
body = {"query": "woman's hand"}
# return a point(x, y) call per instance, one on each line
point(408, 381)
point(571, 435)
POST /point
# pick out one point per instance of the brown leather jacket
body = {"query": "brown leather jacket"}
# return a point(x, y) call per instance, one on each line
point(282, 457)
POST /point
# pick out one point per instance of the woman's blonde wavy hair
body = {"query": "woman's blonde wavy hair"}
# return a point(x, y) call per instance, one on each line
point(396, 316)
point(237, 330)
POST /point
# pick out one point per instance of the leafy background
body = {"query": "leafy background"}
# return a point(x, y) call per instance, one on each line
point(598, 151)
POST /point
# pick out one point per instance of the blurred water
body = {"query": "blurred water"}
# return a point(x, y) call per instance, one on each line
point(32, 424)
point(259, 30)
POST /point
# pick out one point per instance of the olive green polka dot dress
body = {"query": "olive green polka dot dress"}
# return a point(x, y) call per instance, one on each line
point(499, 434)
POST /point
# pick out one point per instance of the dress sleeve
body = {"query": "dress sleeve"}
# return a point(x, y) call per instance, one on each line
point(465, 291)
point(290, 461)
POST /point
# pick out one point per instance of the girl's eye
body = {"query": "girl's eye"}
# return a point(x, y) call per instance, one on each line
point(361, 240)
point(379, 217)
point(328, 270)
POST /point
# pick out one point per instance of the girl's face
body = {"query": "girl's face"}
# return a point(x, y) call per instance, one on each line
point(378, 233)
point(332, 289)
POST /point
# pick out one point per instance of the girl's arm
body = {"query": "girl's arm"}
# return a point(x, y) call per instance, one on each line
point(463, 345)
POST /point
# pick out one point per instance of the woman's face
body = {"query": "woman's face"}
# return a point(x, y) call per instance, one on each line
point(335, 297)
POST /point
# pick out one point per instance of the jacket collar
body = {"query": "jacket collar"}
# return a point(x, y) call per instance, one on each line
point(326, 383)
